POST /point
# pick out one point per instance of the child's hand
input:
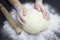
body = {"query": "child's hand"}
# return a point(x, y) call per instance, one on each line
point(41, 8)
point(21, 13)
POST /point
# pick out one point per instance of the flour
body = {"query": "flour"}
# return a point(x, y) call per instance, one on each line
point(45, 35)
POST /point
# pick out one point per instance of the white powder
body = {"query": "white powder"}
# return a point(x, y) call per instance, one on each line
point(45, 35)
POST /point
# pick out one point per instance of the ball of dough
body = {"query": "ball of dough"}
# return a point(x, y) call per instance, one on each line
point(35, 22)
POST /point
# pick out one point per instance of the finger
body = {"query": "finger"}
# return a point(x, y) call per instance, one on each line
point(19, 20)
point(45, 12)
point(47, 18)
point(24, 12)
point(48, 15)
point(37, 7)
point(22, 19)
point(42, 9)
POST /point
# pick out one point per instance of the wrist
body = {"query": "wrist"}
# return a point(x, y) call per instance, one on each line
point(15, 3)
point(38, 1)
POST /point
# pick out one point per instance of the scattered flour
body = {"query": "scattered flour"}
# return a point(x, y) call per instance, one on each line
point(45, 35)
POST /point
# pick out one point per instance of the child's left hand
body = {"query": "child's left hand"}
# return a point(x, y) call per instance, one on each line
point(44, 11)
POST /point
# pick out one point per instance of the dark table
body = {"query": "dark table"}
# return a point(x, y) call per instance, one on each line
point(54, 3)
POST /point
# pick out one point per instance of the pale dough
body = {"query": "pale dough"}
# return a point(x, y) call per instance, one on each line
point(35, 22)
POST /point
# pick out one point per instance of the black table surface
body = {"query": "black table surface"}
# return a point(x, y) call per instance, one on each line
point(53, 3)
